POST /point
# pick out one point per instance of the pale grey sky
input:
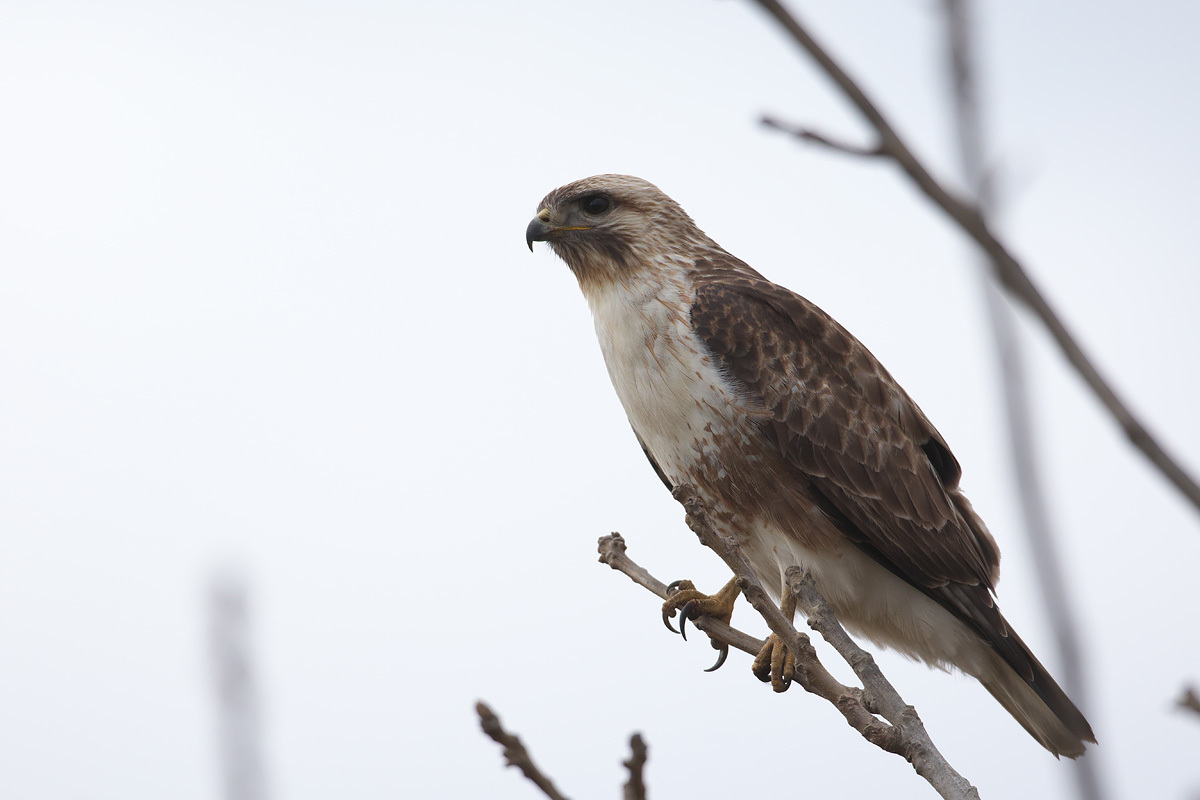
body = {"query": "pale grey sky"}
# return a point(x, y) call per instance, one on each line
point(264, 301)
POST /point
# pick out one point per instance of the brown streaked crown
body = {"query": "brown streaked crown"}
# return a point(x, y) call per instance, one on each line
point(608, 225)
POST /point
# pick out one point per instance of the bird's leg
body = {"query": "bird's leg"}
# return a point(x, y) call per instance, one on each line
point(775, 663)
point(691, 603)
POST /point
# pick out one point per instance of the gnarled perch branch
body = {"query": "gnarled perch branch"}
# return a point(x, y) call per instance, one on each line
point(900, 731)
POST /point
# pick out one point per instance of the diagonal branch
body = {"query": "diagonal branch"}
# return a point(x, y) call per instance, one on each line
point(905, 735)
point(1008, 270)
point(515, 754)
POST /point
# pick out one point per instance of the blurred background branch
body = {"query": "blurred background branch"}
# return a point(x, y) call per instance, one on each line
point(515, 754)
point(1189, 700)
point(635, 787)
point(238, 719)
point(1027, 473)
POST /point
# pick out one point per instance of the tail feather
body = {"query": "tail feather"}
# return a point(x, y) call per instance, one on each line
point(1040, 705)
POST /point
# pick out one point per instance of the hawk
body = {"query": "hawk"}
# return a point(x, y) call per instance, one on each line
point(804, 449)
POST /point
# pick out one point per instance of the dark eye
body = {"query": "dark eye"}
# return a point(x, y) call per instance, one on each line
point(596, 204)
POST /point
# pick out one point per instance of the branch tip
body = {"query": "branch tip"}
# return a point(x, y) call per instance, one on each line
point(1189, 700)
point(515, 754)
point(635, 787)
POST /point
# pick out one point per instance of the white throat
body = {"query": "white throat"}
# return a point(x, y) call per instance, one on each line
point(673, 394)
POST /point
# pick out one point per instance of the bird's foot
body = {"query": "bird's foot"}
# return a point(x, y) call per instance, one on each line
point(775, 664)
point(691, 603)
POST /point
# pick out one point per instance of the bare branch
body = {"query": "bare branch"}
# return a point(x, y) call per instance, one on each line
point(635, 787)
point(905, 736)
point(810, 135)
point(1189, 700)
point(515, 754)
point(1008, 270)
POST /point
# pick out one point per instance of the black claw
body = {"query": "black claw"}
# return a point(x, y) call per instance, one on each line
point(785, 685)
point(673, 587)
point(690, 610)
point(720, 659)
point(667, 622)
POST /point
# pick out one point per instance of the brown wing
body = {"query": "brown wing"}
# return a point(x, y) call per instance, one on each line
point(886, 476)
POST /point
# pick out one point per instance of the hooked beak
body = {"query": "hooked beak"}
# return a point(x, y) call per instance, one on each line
point(538, 231)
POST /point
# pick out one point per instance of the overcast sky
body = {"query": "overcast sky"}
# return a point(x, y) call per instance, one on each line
point(265, 306)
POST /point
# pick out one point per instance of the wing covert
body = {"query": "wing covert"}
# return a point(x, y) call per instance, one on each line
point(839, 417)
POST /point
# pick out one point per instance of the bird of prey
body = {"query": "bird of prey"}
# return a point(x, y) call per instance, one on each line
point(804, 449)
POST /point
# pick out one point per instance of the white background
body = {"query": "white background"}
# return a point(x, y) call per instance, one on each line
point(265, 305)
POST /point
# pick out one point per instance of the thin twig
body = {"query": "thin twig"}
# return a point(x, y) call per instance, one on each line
point(1009, 271)
point(1051, 575)
point(515, 754)
point(809, 135)
point(635, 787)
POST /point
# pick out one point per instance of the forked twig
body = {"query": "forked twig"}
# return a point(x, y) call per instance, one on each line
point(1009, 272)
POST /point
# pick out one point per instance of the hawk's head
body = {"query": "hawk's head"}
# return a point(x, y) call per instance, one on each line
point(606, 225)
